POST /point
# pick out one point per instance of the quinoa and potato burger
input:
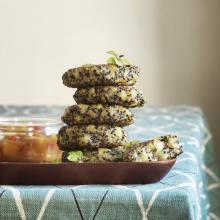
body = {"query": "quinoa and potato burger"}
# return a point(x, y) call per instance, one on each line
point(91, 136)
point(126, 96)
point(101, 75)
point(84, 114)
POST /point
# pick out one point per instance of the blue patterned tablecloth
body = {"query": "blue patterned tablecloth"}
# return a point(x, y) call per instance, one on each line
point(191, 190)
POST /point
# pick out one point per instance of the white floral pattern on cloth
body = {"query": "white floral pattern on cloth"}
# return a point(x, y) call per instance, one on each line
point(191, 190)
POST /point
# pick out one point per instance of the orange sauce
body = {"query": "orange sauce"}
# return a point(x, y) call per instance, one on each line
point(29, 147)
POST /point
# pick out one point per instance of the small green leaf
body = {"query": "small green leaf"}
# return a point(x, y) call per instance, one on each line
point(134, 142)
point(117, 59)
point(112, 52)
point(111, 60)
point(118, 62)
point(75, 156)
point(125, 61)
point(126, 145)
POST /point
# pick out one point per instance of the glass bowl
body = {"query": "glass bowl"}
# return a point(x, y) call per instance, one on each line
point(26, 139)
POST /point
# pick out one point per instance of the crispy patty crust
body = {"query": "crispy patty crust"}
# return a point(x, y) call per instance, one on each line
point(101, 75)
point(83, 114)
point(90, 137)
point(96, 155)
point(126, 96)
point(158, 149)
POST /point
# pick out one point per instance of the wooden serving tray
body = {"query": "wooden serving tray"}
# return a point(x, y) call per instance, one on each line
point(83, 173)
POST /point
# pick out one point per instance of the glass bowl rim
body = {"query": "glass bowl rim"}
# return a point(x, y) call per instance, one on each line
point(29, 121)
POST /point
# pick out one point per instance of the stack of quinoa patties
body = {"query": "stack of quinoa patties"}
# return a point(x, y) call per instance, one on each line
point(104, 95)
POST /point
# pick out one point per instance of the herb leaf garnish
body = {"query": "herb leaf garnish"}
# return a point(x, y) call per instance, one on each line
point(117, 59)
point(75, 156)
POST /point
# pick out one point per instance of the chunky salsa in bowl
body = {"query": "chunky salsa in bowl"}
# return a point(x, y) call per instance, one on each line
point(29, 139)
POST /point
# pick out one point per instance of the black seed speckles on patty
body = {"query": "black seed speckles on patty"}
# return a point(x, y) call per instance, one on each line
point(90, 137)
point(101, 75)
point(114, 115)
point(160, 148)
point(99, 155)
point(126, 96)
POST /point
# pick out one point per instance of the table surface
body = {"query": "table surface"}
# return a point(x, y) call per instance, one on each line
point(189, 191)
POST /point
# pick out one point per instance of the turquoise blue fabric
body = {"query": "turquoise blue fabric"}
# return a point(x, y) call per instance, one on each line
point(189, 191)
